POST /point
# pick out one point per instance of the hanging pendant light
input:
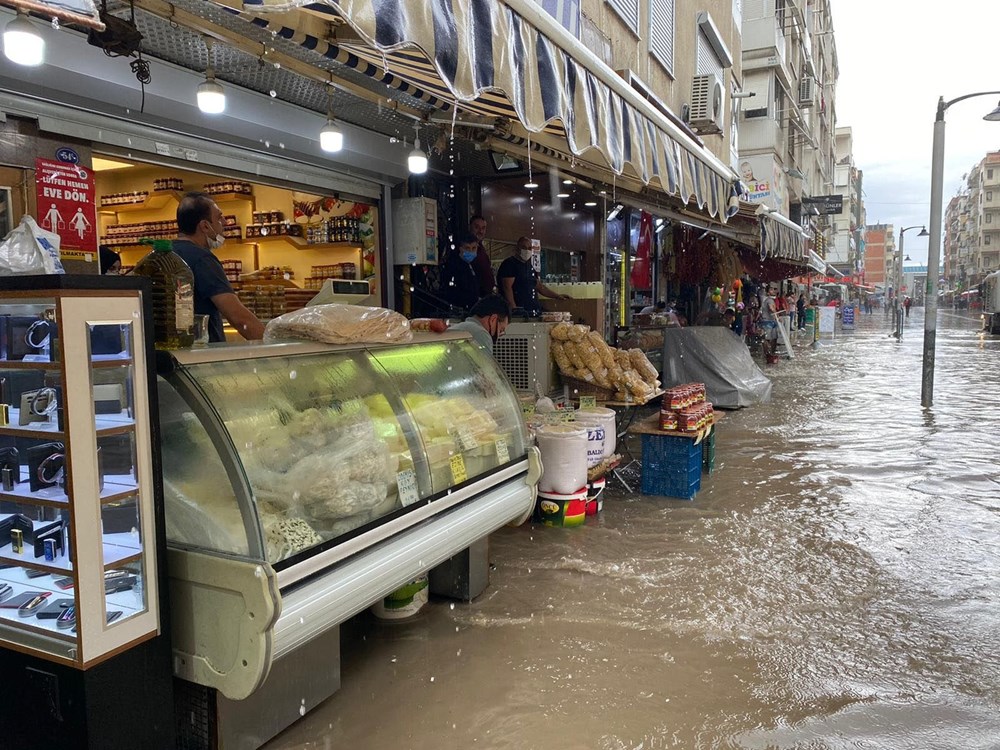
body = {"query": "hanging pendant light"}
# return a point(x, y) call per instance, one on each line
point(417, 160)
point(331, 138)
point(22, 44)
point(211, 95)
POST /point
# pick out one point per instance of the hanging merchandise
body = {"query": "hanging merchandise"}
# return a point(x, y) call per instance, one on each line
point(641, 276)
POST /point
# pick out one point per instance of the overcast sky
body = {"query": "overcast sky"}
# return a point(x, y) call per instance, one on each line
point(896, 58)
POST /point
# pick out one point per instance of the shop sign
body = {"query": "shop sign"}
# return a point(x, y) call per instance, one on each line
point(826, 204)
point(66, 203)
point(847, 317)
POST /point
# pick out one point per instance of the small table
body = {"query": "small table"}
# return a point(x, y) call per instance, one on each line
point(625, 414)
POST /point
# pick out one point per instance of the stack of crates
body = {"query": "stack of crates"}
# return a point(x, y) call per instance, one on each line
point(708, 453)
point(671, 466)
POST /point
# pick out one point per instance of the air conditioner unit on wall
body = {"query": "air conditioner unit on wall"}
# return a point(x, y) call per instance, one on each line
point(706, 104)
point(807, 90)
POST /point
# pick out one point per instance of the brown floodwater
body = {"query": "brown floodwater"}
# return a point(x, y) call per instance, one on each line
point(835, 584)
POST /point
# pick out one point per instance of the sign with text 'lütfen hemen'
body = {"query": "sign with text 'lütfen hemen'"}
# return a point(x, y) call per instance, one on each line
point(66, 204)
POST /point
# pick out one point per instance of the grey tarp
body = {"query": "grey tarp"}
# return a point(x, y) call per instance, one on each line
point(715, 356)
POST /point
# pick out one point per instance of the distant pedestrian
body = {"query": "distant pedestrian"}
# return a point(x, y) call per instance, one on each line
point(800, 310)
point(906, 305)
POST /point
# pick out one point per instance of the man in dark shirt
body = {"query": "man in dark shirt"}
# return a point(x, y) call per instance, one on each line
point(459, 283)
point(482, 266)
point(519, 282)
point(199, 232)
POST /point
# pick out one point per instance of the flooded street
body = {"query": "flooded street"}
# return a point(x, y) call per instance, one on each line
point(835, 584)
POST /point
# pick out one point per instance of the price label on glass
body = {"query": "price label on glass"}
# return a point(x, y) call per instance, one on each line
point(588, 402)
point(406, 482)
point(466, 440)
point(458, 474)
point(503, 455)
point(527, 407)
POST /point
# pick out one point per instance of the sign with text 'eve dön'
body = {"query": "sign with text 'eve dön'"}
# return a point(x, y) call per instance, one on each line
point(66, 204)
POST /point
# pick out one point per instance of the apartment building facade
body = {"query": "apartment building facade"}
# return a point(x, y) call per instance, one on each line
point(881, 260)
point(972, 227)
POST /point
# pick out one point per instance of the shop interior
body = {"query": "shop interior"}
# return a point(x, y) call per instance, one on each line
point(281, 244)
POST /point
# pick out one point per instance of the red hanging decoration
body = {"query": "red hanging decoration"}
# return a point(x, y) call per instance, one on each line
point(641, 275)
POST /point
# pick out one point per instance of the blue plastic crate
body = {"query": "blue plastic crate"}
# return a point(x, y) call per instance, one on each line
point(663, 448)
point(682, 485)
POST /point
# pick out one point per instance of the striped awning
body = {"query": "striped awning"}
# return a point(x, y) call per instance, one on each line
point(508, 59)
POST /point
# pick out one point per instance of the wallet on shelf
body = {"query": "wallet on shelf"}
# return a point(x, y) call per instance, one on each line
point(109, 398)
point(53, 610)
point(10, 469)
point(18, 601)
point(45, 465)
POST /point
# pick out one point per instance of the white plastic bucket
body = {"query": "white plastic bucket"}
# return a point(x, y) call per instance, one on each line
point(596, 436)
point(610, 426)
point(564, 458)
point(404, 602)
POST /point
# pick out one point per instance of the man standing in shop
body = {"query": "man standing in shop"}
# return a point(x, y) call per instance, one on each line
point(482, 265)
point(199, 233)
point(459, 281)
point(519, 281)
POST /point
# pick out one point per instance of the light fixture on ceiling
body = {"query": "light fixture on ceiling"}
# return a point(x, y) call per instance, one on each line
point(504, 162)
point(331, 138)
point(613, 213)
point(562, 195)
point(22, 44)
point(567, 181)
point(211, 95)
point(417, 160)
point(590, 204)
point(531, 184)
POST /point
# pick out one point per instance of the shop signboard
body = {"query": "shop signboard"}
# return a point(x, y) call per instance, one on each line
point(847, 317)
point(66, 205)
point(827, 319)
point(825, 204)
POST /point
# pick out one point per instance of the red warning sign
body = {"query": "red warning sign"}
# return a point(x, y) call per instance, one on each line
point(66, 203)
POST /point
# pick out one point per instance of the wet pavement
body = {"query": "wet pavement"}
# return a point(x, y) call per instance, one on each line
point(835, 584)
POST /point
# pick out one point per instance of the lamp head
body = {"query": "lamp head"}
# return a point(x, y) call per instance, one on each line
point(331, 138)
point(211, 96)
point(22, 44)
point(923, 232)
point(993, 116)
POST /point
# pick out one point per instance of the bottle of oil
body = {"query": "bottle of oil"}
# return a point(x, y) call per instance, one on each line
point(173, 295)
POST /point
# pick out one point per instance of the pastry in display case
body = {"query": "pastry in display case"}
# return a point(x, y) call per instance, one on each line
point(76, 501)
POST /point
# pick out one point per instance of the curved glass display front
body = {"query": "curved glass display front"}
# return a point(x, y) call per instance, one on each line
point(329, 442)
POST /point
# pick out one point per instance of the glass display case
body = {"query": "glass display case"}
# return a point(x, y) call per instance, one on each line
point(78, 582)
point(279, 452)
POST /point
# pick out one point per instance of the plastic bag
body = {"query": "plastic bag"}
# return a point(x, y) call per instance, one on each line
point(29, 249)
point(340, 324)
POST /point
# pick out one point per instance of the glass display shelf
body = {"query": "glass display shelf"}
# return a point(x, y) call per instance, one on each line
point(116, 488)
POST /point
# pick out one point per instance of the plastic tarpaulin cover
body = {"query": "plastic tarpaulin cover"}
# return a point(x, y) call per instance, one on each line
point(715, 356)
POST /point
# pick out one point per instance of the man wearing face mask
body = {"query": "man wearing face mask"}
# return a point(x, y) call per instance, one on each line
point(199, 232)
point(487, 321)
point(519, 281)
point(459, 282)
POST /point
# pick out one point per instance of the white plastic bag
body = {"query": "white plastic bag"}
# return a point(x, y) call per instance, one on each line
point(29, 249)
point(341, 324)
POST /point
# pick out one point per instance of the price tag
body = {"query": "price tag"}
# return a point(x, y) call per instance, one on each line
point(568, 415)
point(406, 482)
point(588, 402)
point(458, 474)
point(466, 440)
point(527, 407)
point(503, 455)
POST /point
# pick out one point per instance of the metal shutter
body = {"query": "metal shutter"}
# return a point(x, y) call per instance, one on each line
point(661, 32)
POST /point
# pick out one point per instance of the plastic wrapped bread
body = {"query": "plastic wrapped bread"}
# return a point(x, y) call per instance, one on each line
point(563, 362)
point(578, 332)
point(340, 324)
point(622, 358)
point(591, 359)
point(642, 365)
point(560, 331)
point(603, 350)
point(573, 352)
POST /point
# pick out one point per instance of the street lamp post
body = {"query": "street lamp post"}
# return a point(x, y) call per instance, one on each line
point(899, 275)
point(934, 244)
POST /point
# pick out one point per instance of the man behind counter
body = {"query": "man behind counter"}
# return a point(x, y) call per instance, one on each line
point(199, 232)
point(519, 282)
point(487, 321)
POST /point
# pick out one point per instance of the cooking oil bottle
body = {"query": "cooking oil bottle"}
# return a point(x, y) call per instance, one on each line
point(173, 295)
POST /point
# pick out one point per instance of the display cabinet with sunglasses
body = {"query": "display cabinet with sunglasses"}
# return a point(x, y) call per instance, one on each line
point(79, 575)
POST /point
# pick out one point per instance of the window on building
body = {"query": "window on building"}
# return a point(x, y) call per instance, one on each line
point(661, 32)
point(989, 195)
point(986, 239)
point(779, 15)
point(629, 12)
point(989, 218)
point(989, 174)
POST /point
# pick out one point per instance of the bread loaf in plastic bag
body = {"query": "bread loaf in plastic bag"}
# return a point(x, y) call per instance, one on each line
point(340, 324)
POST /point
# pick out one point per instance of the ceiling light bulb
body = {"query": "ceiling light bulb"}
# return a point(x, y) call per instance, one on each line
point(211, 96)
point(22, 44)
point(562, 195)
point(417, 161)
point(590, 204)
point(331, 138)
point(531, 184)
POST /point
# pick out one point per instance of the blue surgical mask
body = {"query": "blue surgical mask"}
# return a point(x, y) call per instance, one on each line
point(468, 255)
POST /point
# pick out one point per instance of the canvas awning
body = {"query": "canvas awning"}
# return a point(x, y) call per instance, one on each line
point(509, 59)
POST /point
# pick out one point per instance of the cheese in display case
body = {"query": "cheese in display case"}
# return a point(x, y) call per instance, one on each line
point(307, 481)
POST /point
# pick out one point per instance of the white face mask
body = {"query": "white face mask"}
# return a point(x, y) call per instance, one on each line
point(214, 243)
point(525, 253)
